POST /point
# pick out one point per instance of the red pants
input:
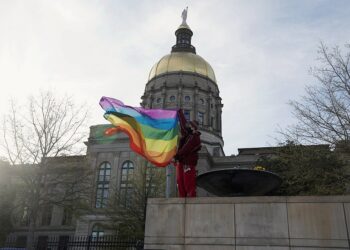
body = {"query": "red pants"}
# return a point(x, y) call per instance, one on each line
point(186, 180)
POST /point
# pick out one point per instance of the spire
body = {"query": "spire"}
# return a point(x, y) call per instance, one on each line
point(183, 36)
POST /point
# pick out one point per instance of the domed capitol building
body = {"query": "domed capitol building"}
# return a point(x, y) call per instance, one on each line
point(223, 217)
point(181, 79)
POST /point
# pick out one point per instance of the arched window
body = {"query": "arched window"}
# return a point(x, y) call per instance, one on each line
point(187, 114)
point(46, 215)
point(97, 231)
point(159, 100)
point(24, 218)
point(67, 217)
point(104, 175)
point(172, 98)
point(187, 98)
point(200, 118)
point(126, 179)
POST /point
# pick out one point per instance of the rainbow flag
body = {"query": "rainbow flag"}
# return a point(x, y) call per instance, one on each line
point(153, 133)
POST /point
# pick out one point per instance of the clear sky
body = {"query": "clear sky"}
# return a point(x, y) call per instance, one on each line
point(261, 52)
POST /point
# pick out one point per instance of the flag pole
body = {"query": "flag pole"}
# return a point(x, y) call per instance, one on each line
point(169, 189)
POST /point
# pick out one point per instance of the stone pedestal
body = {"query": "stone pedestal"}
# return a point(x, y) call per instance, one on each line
point(245, 223)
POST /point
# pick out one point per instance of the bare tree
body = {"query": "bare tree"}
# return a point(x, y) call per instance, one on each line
point(127, 207)
point(33, 135)
point(47, 126)
point(323, 113)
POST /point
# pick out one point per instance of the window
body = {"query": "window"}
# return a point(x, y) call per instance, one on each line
point(67, 217)
point(211, 105)
point(21, 241)
point(200, 117)
point(97, 231)
point(172, 98)
point(212, 121)
point(187, 114)
point(42, 242)
point(151, 188)
point(63, 241)
point(201, 101)
point(127, 174)
point(216, 151)
point(24, 219)
point(46, 216)
point(187, 98)
point(159, 100)
point(104, 175)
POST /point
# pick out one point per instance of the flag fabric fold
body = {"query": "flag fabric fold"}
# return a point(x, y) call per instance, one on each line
point(153, 133)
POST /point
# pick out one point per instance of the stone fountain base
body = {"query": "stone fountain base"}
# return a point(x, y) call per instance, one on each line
point(238, 182)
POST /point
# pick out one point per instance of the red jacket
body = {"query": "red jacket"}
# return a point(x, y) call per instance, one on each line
point(190, 143)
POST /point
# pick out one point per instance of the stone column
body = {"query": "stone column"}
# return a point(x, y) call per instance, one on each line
point(194, 105)
point(219, 116)
point(179, 95)
point(210, 98)
point(163, 95)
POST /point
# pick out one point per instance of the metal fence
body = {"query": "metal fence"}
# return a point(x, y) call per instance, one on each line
point(79, 243)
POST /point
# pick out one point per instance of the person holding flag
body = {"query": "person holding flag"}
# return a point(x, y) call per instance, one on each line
point(187, 157)
point(154, 134)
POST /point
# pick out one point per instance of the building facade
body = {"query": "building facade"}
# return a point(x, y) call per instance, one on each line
point(181, 79)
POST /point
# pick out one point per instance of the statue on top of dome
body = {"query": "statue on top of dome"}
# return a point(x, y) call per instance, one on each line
point(184, 15)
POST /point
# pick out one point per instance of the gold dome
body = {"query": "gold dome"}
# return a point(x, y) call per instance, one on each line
point(182, 61)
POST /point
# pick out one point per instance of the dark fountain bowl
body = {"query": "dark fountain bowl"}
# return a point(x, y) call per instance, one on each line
point(238, 182)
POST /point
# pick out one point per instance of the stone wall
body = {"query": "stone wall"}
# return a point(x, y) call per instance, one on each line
point(245, 223)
